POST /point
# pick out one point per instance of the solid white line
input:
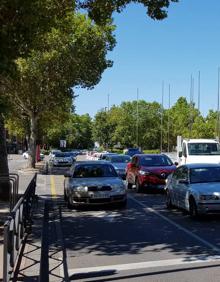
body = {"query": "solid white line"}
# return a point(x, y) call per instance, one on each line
point(213, 247)
point(144, 265)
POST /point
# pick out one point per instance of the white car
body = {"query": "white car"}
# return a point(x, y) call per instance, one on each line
point(195, 188)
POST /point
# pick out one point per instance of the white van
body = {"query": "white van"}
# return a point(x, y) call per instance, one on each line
point(197, 151)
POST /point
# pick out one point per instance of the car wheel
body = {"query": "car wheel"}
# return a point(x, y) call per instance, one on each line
point(69, 204)
point(193, 211)
point(139, 187)
point(64, 195)
point(169, 203)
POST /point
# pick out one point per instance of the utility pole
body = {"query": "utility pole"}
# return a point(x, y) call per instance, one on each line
point(217, 121)
point(168, 123)
point(191, 105)
point(199, 91)
point(137, 121)
point(108, 101)
point(161, 124)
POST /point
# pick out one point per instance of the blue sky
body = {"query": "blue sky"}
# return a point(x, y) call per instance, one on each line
point(149, 52)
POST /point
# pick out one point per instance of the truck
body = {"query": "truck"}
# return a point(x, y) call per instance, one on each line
point(197, 151)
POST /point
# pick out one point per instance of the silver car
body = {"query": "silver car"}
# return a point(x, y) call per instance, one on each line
point(195, 188)
point(92, 183)
point(61, 159)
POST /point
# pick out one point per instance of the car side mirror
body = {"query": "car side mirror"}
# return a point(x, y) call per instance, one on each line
point(184, 181)
point(68, 174)
point(180, 154)
point(176, 163)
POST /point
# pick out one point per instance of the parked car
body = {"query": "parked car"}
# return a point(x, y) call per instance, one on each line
point(195, 188)
point(120, 163)
point(53, 152)
point(93, 183)
point(132, 151)
point(149, 171)
point(73, 154)
point(103, 156)
point(61, 159)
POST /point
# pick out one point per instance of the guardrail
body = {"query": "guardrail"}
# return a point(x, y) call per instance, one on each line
point(12, 194)
point(17, 228)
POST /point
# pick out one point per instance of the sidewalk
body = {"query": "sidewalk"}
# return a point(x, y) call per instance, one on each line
point(25, 176)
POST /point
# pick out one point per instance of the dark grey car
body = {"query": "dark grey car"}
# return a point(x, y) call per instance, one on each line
point(120, 163)
point(93, 183)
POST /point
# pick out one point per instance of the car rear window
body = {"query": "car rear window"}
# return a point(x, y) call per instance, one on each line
point(120, 159)
point(155, 161)
point(205, 174)
point(85, 171)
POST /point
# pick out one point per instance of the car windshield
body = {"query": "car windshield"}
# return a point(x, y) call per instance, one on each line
point(119, 159)
point(204, 149)
point(155, 161)
point(205, 174)
point(72, 154)
point(61, 155)
point(105, 156)
point(94, 170)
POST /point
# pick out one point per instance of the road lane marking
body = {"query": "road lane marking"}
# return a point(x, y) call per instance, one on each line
point(109, 216)
point(61, 260)
point(145, 265)
point(52, 187)
point(198, 238)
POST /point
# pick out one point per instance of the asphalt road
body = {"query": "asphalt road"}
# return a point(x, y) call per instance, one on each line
point(144, 242)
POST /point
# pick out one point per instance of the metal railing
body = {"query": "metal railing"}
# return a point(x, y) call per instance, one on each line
point(16, 229)
point(12, 194)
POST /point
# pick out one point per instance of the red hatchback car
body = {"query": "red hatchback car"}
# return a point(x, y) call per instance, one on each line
point(148, 171)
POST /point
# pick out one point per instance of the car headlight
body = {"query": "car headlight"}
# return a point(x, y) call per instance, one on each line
point(208, 197)
point(81, 188)
point(143, 172)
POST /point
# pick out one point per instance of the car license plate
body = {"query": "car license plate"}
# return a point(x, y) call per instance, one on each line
point(100, 196)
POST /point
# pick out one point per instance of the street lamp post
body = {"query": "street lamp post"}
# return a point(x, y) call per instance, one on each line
point(137, 121)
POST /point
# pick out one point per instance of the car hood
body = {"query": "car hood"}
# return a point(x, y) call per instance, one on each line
point(203, 159)
point(96, 181)
point(159, 169)
point(207, 188)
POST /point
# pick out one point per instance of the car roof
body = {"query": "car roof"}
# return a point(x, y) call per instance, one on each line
point(120, 155)
point(201, 165)
point(91, 162)
point(201, 141)
point(149, 155)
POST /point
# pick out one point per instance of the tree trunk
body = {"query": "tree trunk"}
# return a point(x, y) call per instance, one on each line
point(32, 145)
point(4, 183)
